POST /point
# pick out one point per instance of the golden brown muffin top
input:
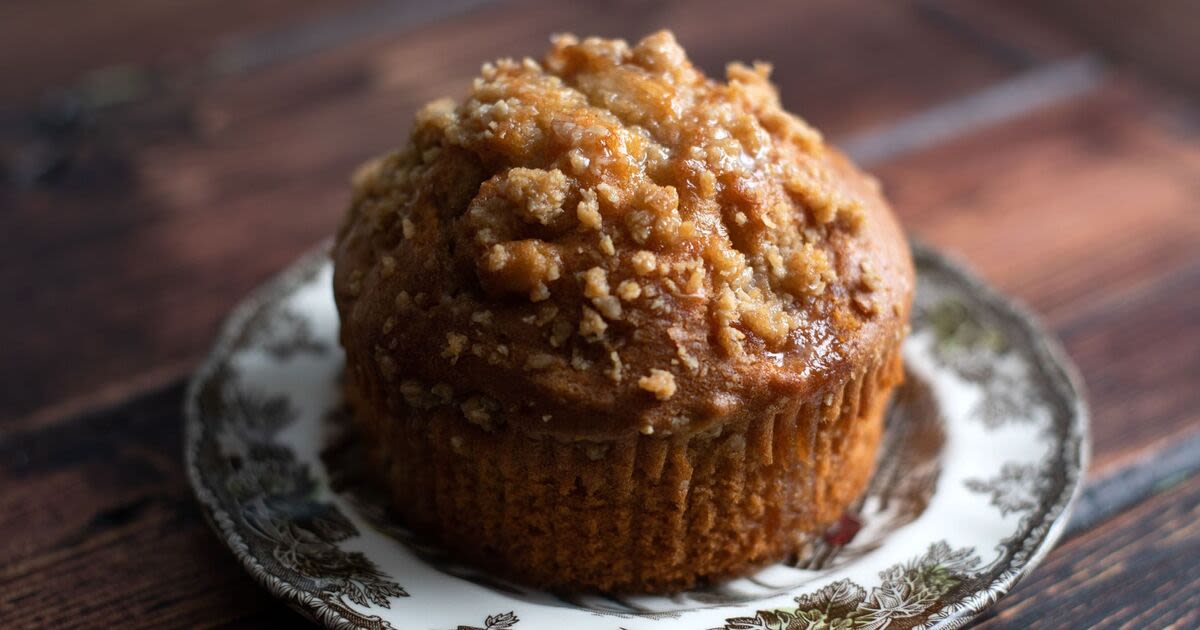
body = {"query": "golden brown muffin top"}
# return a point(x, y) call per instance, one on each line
point(610, 241)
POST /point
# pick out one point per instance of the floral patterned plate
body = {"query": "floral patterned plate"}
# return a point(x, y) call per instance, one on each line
point(983, 455)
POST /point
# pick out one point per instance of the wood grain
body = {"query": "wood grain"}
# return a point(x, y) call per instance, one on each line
point(101, 530)
point(1137, 570)
point(1163, 43)
point(1087, 212)
point(53, 43)
point(1069, 208)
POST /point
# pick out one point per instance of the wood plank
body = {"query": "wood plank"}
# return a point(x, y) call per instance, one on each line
point(1068, 207)
point(1137, 570)
point(99, 529)
point(154, 218)
point(1158, 38)
point(50, 43)
point(1140, 359)
point(1131, 482)
point(1008, 31)
point(1086, 211)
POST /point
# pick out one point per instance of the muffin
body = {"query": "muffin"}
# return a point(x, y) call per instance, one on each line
point(612, 325)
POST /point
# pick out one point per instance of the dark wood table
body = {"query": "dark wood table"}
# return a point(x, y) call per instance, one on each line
point(159, 159)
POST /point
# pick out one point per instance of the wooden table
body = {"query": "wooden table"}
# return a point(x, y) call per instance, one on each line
point(159, 159)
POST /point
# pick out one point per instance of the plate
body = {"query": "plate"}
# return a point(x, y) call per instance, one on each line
point(983, 455)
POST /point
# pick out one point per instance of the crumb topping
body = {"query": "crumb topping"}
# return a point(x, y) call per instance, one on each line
point(648, 152)
point(609, 211)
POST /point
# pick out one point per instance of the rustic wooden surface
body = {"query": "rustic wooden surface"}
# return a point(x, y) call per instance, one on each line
point(158, 160)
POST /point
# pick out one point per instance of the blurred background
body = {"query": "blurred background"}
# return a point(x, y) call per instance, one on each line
point(160, 158)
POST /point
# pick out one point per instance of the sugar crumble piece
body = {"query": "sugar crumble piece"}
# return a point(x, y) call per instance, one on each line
point(616, 370)
point(414, 394)
point(644, 262)
point(443, 392)
point(609, 306)
point(561, 331)
point(609, 193)
point(591, 325)
point(606, 245)
point(354, 287)
point(866, 305)
point(387, 365)
point(579, 161)
point(588, 210)
point(595, 282)
point(870, 280)
point(479, 411)
point(578, 361)
point(538, 194)
point(545, 314)
point(455, 344)
point(661, 383)
point(679, 338)
point(387, 266)
point(629, 290)
point(695, 281)
point(539, 361)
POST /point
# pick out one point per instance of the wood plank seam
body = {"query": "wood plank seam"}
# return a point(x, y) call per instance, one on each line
point(1135, 482)
point(1031, 91)
point(949, 17)
point(262, 49)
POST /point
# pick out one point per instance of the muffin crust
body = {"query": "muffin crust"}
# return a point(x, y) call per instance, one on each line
point(613, 241)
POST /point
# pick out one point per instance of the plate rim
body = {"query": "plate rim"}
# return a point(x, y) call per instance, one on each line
point(1047, 351)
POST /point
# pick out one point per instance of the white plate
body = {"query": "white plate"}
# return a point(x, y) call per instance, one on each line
point(984, 451)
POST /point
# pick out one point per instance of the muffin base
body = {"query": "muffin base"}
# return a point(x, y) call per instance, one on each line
point(638, 514)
